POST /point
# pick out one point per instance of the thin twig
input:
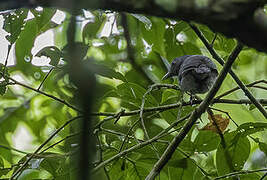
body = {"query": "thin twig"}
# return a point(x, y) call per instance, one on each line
point(118, 116)
point(46, 76)
point(21, 168)
point(194, 162)
point(127, 135)
point(5, 65)
point(213, 40)
point(58, 142)
point(101, 154)
point(194, 116)
point(45, 94)
point(234, 76)
point(227, 114)
point(240, 172)
point(13, 149)
point(236, 88)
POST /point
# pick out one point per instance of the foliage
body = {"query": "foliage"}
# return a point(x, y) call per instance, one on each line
point(41, 99)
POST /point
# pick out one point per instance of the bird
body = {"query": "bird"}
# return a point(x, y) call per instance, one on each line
point(196, 73)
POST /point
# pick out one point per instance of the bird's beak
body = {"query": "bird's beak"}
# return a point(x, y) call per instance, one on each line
point(166, 76)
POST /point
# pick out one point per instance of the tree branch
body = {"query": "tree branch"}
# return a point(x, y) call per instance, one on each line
point(172, 106)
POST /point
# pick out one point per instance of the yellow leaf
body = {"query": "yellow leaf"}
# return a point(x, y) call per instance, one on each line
point(221, 122)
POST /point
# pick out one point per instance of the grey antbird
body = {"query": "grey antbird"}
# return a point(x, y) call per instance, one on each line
point(196, 73)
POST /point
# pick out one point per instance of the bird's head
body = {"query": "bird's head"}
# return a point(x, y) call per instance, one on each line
point(175, 67)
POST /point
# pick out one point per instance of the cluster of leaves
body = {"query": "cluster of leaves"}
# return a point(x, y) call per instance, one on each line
point(119, 86)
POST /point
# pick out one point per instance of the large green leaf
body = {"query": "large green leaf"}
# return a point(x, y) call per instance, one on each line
point(25, 42)
point(43, 17)
point(206, 141)
point(56, 164)
point(155, 35)
point(233, 157)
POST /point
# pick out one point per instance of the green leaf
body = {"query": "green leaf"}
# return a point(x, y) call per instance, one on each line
point(91, 29)
point(143, 19)
point(3, 172)
point(263, 147)
point(3, 71)
point(25, 42)
point(206, 141)
point(2, 88)
point(249, 176)
point(107, 72)
point(14, 23)
point(190, 48)
point(1, 163)
point(43, 17)
point(241, 152)
point(172, 47)
point(155, 35)
point(24, 45)
point(51, 52)
point(234, 155)
point(133, 94)
point(55, 164)
point(169, 94)
point(5, 82)
point(251, 128)
point(224, 44)
point(29, 174)
point(81, 47)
